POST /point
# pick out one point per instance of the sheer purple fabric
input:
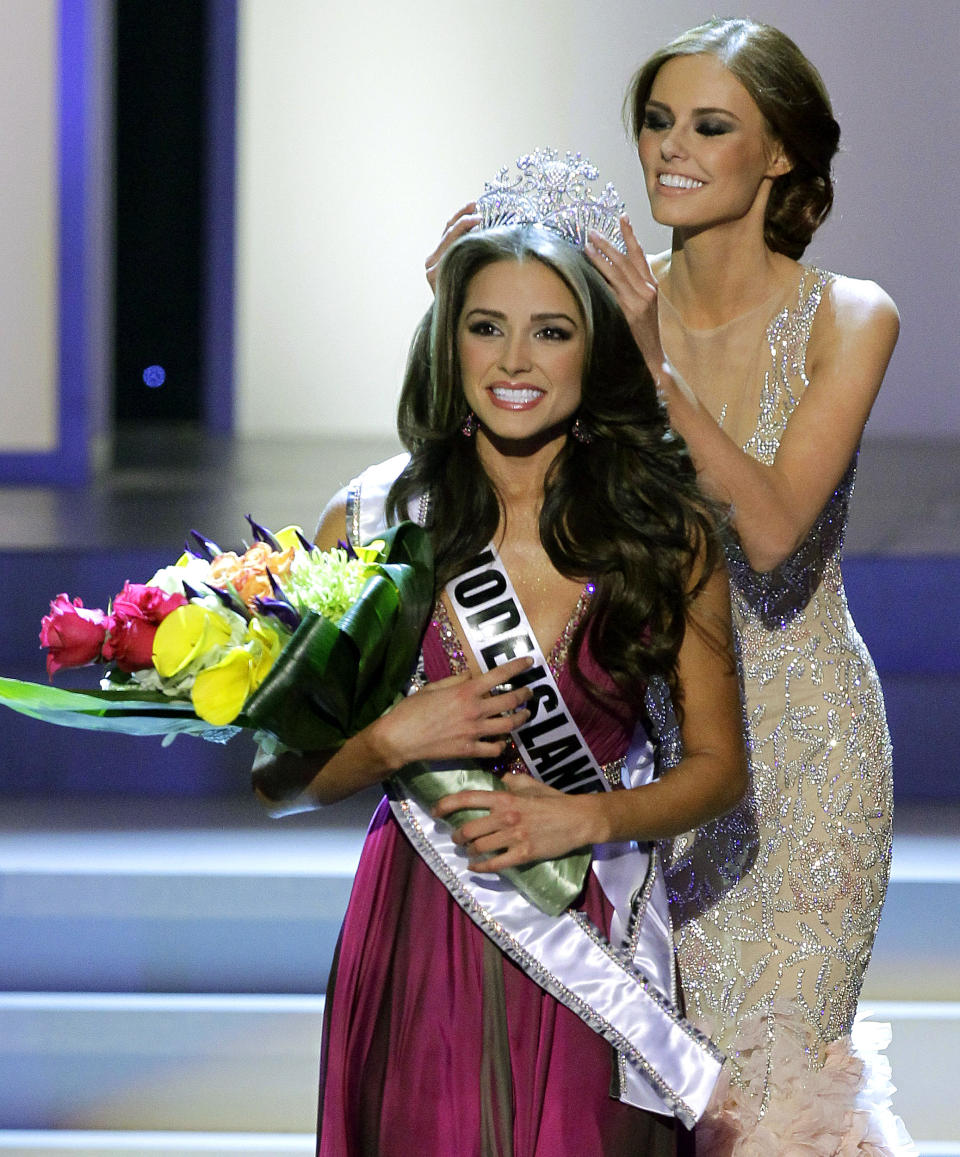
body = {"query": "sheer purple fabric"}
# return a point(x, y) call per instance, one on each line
point(436, 1044)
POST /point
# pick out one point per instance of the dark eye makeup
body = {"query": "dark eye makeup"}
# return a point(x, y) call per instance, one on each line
point(658, 121)
point(713, 128)
point(655, 120)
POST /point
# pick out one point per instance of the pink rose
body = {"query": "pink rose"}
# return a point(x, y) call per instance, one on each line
point(72, 634)
point(130, 643)
point(137, 612)
point(138, 601)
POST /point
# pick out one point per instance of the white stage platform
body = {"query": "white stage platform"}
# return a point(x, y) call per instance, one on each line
point(172, 956)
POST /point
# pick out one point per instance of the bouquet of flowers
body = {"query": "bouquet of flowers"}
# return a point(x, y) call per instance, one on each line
point(304, 646)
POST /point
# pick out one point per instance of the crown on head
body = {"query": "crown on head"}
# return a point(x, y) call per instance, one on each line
point(554, 192)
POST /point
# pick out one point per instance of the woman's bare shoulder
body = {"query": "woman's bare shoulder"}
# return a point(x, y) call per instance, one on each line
point(857, 324)
point(854, 301)
point(332, 527)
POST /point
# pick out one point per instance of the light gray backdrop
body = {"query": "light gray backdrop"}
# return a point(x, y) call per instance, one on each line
point(363, 126)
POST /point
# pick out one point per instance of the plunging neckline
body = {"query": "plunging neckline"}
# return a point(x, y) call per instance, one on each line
point(510, 760)
point(452, 643)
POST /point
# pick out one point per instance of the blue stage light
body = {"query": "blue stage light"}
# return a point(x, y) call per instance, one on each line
point(154, 376)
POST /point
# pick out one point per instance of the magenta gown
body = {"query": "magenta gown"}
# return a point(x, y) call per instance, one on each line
point(434, 1043)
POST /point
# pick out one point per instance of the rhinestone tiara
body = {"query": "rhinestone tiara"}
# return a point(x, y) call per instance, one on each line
point(554, 192)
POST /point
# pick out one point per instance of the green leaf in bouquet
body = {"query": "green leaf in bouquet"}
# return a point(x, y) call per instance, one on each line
point(369, 623)
point(306, 699)
point(333, 679)
point(410, 566)
point(133, 712)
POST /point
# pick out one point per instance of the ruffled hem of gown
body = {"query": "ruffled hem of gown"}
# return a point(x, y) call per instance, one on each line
point(840, 1110)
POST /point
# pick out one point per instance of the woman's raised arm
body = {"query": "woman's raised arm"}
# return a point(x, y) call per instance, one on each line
point(774, 506)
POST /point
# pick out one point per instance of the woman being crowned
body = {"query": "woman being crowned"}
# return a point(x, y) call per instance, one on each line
point(576, 561)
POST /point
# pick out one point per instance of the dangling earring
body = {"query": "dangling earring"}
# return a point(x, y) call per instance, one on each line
point(469, 427)
point(580, 431)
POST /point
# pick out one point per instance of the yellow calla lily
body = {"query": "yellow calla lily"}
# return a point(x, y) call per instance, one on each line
point(370, 552)
point(265, 647)
point(288, 537)
point(186, 634)
point(219, 692)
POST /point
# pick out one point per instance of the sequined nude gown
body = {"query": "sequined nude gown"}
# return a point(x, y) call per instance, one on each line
point(777, 904)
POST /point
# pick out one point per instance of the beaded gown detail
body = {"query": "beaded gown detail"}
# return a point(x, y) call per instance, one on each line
point(777, 904)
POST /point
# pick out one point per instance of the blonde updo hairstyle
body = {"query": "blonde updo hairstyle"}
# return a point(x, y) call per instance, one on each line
point(791, 96)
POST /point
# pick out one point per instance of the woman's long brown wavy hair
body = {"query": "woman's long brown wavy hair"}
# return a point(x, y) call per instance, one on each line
point(623, 510)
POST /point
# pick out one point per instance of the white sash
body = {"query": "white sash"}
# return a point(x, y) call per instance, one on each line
point(625, 993)
point(495, 626)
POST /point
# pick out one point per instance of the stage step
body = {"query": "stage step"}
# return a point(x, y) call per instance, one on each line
point(124, 926)
point(256, 910)
point(211, 1063)
point(100, 1144)
point(223, 899)
point(922, 1055)
point(918, 943)
point(151, 1061)
point(97, 1143)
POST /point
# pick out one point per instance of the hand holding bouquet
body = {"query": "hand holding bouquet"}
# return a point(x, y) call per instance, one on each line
point(304, 645)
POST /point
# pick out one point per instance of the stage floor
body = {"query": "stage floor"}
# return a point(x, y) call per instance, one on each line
point(166, 480)
point(136, 917)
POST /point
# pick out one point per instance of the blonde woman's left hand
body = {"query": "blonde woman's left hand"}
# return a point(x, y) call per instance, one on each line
point(461, 222)
point(635, 288)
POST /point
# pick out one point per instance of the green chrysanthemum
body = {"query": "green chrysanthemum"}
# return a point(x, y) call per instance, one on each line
point(328, 582)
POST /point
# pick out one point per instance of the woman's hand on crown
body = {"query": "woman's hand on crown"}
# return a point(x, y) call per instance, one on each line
point(634, 287)
point(461, 222)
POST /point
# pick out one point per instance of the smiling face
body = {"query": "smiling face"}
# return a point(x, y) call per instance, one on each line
point(707, 155)
point(521, 342)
